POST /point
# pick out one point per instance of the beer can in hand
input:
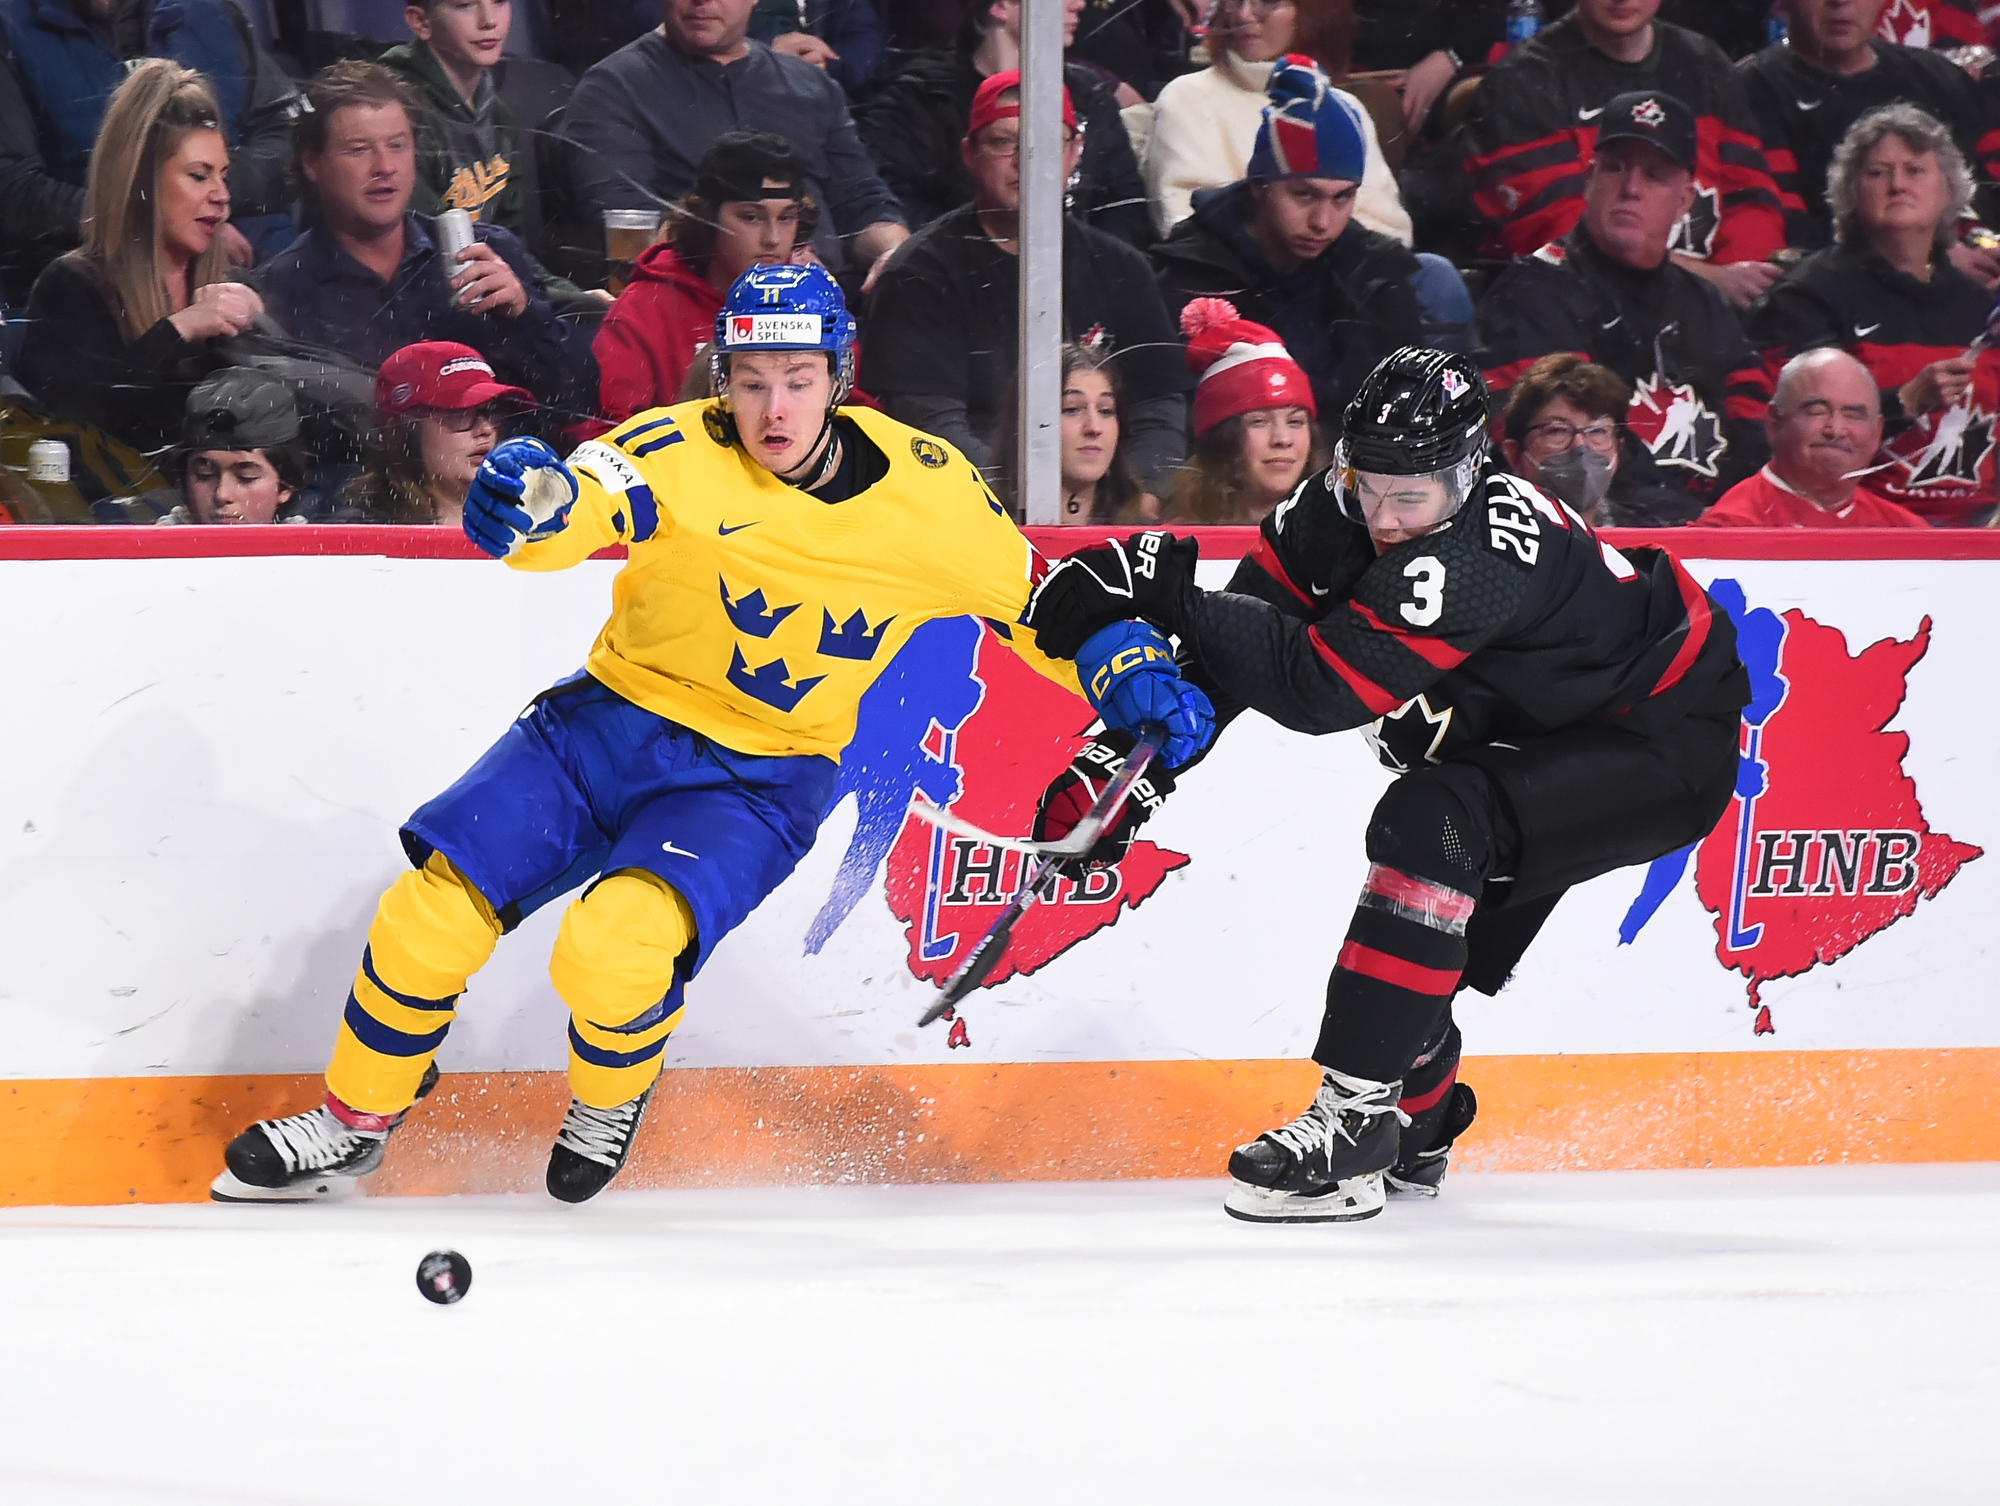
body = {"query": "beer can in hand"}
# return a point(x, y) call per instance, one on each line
point(454, 234)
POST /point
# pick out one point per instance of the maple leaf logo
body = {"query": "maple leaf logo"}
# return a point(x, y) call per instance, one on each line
point(1695, 231)
point(1955, 453)
point(1906, 23)
point(1672, 421)
point(1402, 741)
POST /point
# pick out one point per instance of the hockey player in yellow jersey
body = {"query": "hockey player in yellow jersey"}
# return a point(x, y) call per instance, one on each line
point(781, 550)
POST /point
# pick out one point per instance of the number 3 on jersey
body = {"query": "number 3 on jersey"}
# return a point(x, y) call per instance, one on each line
point(1428, 574)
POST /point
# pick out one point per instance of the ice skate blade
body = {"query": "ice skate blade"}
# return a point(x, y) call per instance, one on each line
point(1345, 1203)
point(228, 1189)
point(1398, 1188)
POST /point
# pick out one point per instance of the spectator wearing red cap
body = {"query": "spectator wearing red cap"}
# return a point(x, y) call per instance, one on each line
point(438, 408)
point(1286, 246)
point(748, 208)
point(913, 124)
point(1256, 435)
point(943, 320)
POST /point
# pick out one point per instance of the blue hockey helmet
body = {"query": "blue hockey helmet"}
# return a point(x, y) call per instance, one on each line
point(785, 307)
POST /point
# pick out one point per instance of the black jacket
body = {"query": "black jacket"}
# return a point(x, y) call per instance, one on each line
point(943, 326)
point(78, 364)
point(1894, 325)
point(1698, 390)
point(1802, 113)
point(913, 124)
point(1338, 314)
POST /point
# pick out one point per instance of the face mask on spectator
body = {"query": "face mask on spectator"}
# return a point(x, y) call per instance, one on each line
point(1579, 476)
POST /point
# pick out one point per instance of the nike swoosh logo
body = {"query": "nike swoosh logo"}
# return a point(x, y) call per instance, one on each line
point(1612, 324)
point(1590, 114)
point(1862, 332)
point(725, 530)
point(1319, 590)
point(1810, 104)
point(680, 852)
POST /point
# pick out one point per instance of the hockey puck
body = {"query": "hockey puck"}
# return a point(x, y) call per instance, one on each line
point(443, 1276)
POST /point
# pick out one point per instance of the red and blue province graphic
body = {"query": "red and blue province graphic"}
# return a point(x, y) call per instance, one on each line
point(1824, 843)
point(959, 718)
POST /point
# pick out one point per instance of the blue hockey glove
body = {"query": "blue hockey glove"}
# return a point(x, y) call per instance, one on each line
point(1130, 678)
point(521, 492)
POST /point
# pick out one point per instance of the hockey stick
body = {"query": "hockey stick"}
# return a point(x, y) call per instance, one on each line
point(990, 948)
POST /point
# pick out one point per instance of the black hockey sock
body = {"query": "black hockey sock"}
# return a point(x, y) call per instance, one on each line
point(1396, 974)
point(1427, 1084)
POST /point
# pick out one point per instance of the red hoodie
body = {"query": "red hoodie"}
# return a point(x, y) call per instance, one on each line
point(650, 335)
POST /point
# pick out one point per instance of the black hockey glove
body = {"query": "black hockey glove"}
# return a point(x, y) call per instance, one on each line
point(1074, 791)
point(1148, 575)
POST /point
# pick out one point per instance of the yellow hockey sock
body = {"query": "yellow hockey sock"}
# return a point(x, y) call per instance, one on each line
point(614, 965)
point(431, 932)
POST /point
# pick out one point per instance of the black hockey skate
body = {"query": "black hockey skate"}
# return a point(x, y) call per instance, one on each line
point(591, 1146)
point(1327, 1164)
point(1421, 1173)
point(309, 1157)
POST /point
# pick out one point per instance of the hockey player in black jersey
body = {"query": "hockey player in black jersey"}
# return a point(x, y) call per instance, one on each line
point(1556, 709)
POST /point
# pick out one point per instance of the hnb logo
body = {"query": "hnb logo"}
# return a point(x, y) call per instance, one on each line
point(1850, 862)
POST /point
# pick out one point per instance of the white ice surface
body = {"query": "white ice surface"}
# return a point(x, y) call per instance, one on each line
point(1815, 1335)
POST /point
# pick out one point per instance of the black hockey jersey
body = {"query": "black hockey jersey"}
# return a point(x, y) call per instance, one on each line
point(1533, 132)
point(1698, 389)
point(1940, 465)
point(1511, 621)
point(1802, 112)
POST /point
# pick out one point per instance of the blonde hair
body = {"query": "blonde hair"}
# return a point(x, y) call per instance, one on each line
point(159, 103)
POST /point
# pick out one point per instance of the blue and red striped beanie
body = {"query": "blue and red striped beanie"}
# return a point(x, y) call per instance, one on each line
point(1310, 129)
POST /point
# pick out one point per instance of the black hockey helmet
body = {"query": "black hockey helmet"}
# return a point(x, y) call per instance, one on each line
point(1418, 413)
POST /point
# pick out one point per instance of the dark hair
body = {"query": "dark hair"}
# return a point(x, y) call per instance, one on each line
point(1324, 32)
point(1210, 486)
point(292, 462)
point(692, 230)
point(1117, 488)
point(1597, 390)
point(337, 87)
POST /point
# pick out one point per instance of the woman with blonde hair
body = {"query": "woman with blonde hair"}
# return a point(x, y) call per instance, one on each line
point(121, 329)
point(1256, 430)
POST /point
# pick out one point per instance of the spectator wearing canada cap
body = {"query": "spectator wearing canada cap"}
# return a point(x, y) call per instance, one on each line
point(943, 319)
point(1284, 244)
point(749, 208)
point(241, 461)
point(1256, 435)
point(1825, 425)
point(1610, 292)
point(438, 409)
point(1538, 114)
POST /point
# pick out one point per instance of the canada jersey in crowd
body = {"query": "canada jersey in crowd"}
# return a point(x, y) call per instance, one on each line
point(1511, 621)
point(757, 614)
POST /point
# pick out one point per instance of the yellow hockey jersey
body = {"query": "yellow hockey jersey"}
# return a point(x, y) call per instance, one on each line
point(756, 614)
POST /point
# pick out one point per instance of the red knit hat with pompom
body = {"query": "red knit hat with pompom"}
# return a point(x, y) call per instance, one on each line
point(1242, 366)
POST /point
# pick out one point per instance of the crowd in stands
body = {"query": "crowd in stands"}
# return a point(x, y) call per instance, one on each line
point(1723, 262)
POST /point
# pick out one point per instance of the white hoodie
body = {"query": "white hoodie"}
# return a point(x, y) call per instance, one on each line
point(1204, 125)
